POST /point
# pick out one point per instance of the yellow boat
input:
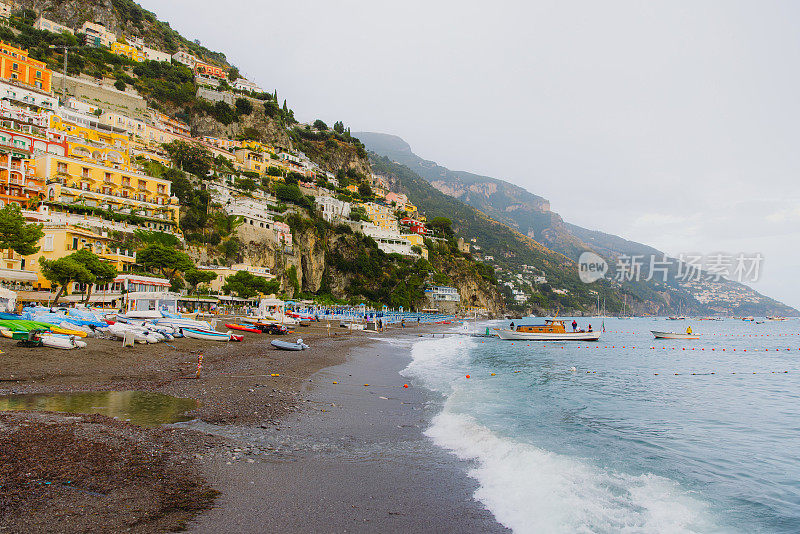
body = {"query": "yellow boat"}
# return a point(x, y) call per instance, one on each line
point(59, 330)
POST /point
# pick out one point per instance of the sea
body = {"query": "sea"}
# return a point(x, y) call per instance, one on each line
point(628, 434)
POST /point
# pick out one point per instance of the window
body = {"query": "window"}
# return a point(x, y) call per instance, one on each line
point(61, 167)
point(48, 243)
point(38, 74)
point(15, 66)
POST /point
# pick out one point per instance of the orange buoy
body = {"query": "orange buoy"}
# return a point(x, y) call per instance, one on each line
point(467, 376)
point(405, 386)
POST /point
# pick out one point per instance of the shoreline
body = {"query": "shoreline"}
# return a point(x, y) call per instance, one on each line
point(354, 459)
point(277, 430)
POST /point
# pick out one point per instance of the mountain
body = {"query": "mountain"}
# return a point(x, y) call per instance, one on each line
point(530, 215)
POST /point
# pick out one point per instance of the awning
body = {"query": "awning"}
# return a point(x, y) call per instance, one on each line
point(15, 275)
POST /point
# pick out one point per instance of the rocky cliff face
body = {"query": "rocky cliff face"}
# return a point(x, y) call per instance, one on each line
point(270, 130)
point(333, 155)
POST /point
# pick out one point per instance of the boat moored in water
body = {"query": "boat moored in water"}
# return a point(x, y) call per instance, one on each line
point(552, 330)
point(674, 335)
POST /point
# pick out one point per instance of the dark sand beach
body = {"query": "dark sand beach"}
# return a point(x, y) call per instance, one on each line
point(288, 453)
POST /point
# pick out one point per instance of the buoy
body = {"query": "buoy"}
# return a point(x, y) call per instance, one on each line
point(275, 374)
point(335, 382)
point(366, 384)
point(405, 386)
point(468, 375)
point(494, 374)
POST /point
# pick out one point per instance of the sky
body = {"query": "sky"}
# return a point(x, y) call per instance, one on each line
point(673, 123)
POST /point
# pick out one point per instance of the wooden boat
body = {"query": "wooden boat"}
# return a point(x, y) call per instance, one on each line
point(208, 335)
point(244, 328)
point(552, 330)
point(287, 345)
point(674, 335)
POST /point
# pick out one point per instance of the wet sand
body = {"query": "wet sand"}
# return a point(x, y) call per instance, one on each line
point(354, 460)
point(289, 453)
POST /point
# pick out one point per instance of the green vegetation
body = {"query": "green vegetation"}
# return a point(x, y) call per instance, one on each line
point(246, 285)
point(16, 233)
point(82, 266)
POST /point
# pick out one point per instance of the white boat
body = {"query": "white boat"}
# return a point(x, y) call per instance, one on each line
point(208, 335)
point(552, 330)
point(58, 341)
point(288, 345)
point(179, 322)
point(674, 335)
point(140, 334)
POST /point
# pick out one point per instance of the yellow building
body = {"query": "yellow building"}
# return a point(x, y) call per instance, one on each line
point(418, 240)
point(129, 51)
point(381, 215)
point(61, 240)
point(250, 160)
point(93, 143)
point(86, 183)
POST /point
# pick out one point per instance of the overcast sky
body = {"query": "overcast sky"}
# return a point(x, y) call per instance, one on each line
point(670, 123)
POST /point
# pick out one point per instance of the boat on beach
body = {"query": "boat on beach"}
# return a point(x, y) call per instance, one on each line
point(208, 335)
point(244, 328)
point(674, 335)
point(288, 345)
point(552, 330)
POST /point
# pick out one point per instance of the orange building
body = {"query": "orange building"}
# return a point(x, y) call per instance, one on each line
point(17, 66)
point(211, 71)
point(18, 185)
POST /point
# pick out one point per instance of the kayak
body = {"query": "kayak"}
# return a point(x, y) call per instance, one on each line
point(243, 328)
point(286, 345)
point(674, 335)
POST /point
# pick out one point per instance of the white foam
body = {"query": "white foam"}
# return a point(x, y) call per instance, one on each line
point(529, 489)
point(532, 490)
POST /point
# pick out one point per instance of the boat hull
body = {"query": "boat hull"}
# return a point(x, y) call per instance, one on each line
point(243, 328)
point(674, 335)
point(206, 335)
point(512, 335)
point(286, 345)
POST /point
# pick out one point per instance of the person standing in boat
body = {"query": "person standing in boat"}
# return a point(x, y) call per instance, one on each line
point(511, 326)
point(688, 329)
point(590, 327)
point(574, 325)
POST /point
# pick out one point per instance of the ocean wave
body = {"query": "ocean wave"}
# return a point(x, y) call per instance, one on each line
point(532, 490)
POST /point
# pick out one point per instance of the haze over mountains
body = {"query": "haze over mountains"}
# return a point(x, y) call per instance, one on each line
point(530, 214)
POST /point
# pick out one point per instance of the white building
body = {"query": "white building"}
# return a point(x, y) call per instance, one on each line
point(443, 293)
point(185, 58)
point(27, 95)
point(131, 125)
point(391, 242)
point(51, 26)
point(519, 296)
point(333, 209)
point(156, 55)
point(243, 84)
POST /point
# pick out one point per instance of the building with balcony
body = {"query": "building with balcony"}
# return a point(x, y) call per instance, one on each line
point(151, 54)
point(97, 35)
point(18, 185)
point(442, 294)
point(333, 209)
point(170, 124)
point(133, 126)
point(381, 215)
point(283, 234)
point(243, 84)
point(15, 65)
point(51, 26)
point(250, 160)
point(75, 182)
point(18, 93)
point(91, 140)
point(127, 50)
point(185, 58)
point(209, 70)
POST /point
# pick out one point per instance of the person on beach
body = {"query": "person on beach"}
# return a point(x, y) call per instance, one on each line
point(590, 327)
point(402, 323)
point(574, 325)
point(380, 325)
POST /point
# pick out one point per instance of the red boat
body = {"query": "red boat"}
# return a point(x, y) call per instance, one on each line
point(243, 328)
point(234, 337)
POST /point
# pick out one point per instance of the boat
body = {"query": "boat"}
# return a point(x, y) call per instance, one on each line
point(674, 335)
point(552, 330)
point(288, 345)
point(244, 328)
point(208, 335)
point(776, 318)
point(234, 337)
point(61, 341)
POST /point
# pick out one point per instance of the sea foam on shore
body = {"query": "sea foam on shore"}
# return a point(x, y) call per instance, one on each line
point(527, 488)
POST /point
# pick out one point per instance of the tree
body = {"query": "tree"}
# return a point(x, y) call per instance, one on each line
point(443, 224)
point(320, 125)
point(16, 234)
point(190, 157)
point(365, 190)
point(63, 272)
point(289, 193)
point(246, 285)
point(271, 108)
point(338, 127)
point(164, 260)
point(224, 113)
point(149, 237)
point(243, 106)
point(230, 248)
point(234, 74)
point(103, 272)
point(196, 277)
